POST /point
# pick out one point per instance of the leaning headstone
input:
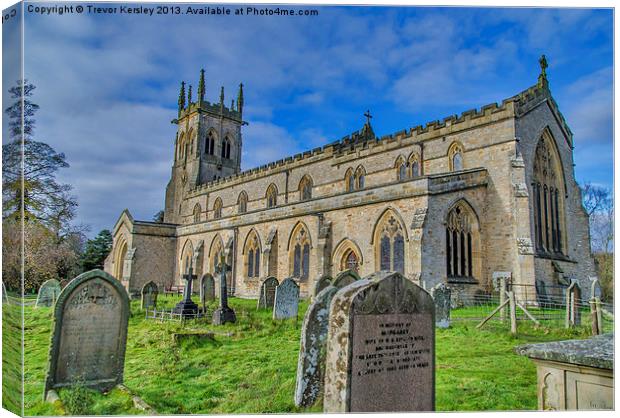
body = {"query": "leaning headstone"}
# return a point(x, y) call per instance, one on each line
point(48, 293)
point(345, 278)
point(321, 284)
point(442, 296)
point(207, 289)
point(311, 363)
point(286, 302)
point(380, 347)
point(149, 295)
point(90, 333)
point(267, 293)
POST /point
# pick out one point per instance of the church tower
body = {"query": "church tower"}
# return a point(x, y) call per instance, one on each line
point(207, 146)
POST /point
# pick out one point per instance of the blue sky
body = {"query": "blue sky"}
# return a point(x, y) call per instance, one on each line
point(108, 84)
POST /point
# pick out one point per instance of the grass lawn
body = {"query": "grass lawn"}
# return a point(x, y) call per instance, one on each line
point(250, 366)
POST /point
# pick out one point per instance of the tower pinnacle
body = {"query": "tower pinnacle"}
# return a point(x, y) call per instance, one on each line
point(201, 87)
point(189, 95)
point(542, 78)
point(240, 99)
point(182, 97)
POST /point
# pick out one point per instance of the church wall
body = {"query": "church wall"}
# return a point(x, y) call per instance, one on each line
point(154, 260)
point(581, 265)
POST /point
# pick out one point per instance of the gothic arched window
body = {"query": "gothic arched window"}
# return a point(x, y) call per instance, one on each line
point(253, 251)
point(390, 243)
point(226, 148)
point(242, 202)
point(210, 143)
point(181, 151)
point(455, 155)
point(305, 188)
point(360, 177)
point(548, 186)
point(197, 210)
point(414, 163)
point(300, 244)
point(217, 208)
point(349, 180)
point(401, 169)
point(272, 196)
point(461, 238)
point(350, 261)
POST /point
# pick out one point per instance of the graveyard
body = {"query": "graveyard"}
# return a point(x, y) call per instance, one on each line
point(250, 366)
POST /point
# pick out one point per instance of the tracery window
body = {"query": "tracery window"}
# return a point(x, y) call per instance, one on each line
point(391, 244)
point(226, 148)
point(197, 212)
point(414, 163)
point(360, 177)
point(217, 208)
point(350, 261)
point(305, 188)
point(461, 228)
point(349, 180)
point(301, 253)
point(210, 143)
point(401, 169)
point(253, 256)
point(455, 155)
point(181, 152)
point(548, 186)
point(272, 196)
point(242, 202)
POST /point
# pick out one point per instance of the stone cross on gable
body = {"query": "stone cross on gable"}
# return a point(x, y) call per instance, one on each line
point(368, 116)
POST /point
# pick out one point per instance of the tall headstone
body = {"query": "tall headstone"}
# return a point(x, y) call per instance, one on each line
point(442, 296)
point(267, 293)
point(286, 302)
point(380, 347)
point(187, 308)
point(223, 313)
point(345, 278)
point(149, 294)
point(48, 293)
point(321, 284)
point(311, 363)
point(207, 289)
point(573, 301)
point(90, 333)
point(595, 288)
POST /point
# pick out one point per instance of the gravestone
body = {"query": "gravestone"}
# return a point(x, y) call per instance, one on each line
point(267, 293)
point(207, 289)
point(48, 293)
point(345, 278)
point(187, 308)
point(380, 347)
point(311, 363)
point(595, 288)
point(442, 296)
point(5, 298)
point(286, 302)
point(541, 293)
point(223, 313)
point(573, 301)
point(321, 284)
point(90, 333)
point(149, 295)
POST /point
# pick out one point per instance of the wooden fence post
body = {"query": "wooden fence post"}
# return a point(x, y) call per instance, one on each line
point(502, 298)
point(599, 315)
point(595, 316)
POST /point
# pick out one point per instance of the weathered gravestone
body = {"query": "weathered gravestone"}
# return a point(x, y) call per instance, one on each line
point(207, 289)
point(442, 296)
point(321, 284)
point(595, 288)
point(573, 301)
point(267, 293)
point(90, 333)
point(311, 363)
point(223, 313)
point(48, 293)
point(286, 302)
point(345, 278)
point(380, 347)
point(149, 295)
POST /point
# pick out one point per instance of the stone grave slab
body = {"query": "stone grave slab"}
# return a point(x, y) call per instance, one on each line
point(207, 289)
point(267, 293)
point(149, 294)
point(311, 363)
point(380, 347)
point(321, 284)
point(90, 333)
point(286, 302)
point(48, 293)
point(442, 296)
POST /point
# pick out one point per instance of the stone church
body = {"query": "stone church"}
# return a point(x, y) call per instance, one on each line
point(453, 201)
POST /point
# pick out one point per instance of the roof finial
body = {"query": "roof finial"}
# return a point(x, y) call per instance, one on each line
point(182, 97)
point(542, 78)
point(240, 99)
point(201, 87)
point(222, 95)
point(368, 117)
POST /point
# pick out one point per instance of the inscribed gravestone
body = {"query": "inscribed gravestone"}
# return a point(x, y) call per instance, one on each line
point(90, 333)
point(442, 295)
point(48, 293)
point(207, 289)
point(573, 302)
point(286, 302)
point(311, 363)
point(267, 293)
point(149, 295)
point(345, 278)
point(380, 347)
point(321, 284)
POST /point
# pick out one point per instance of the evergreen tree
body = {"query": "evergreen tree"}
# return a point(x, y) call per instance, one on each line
point(32, 185)
point(96, 250)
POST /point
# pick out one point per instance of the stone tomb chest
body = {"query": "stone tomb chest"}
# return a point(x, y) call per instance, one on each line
point(574, 374)
point(380, 347)
point(90, 333)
